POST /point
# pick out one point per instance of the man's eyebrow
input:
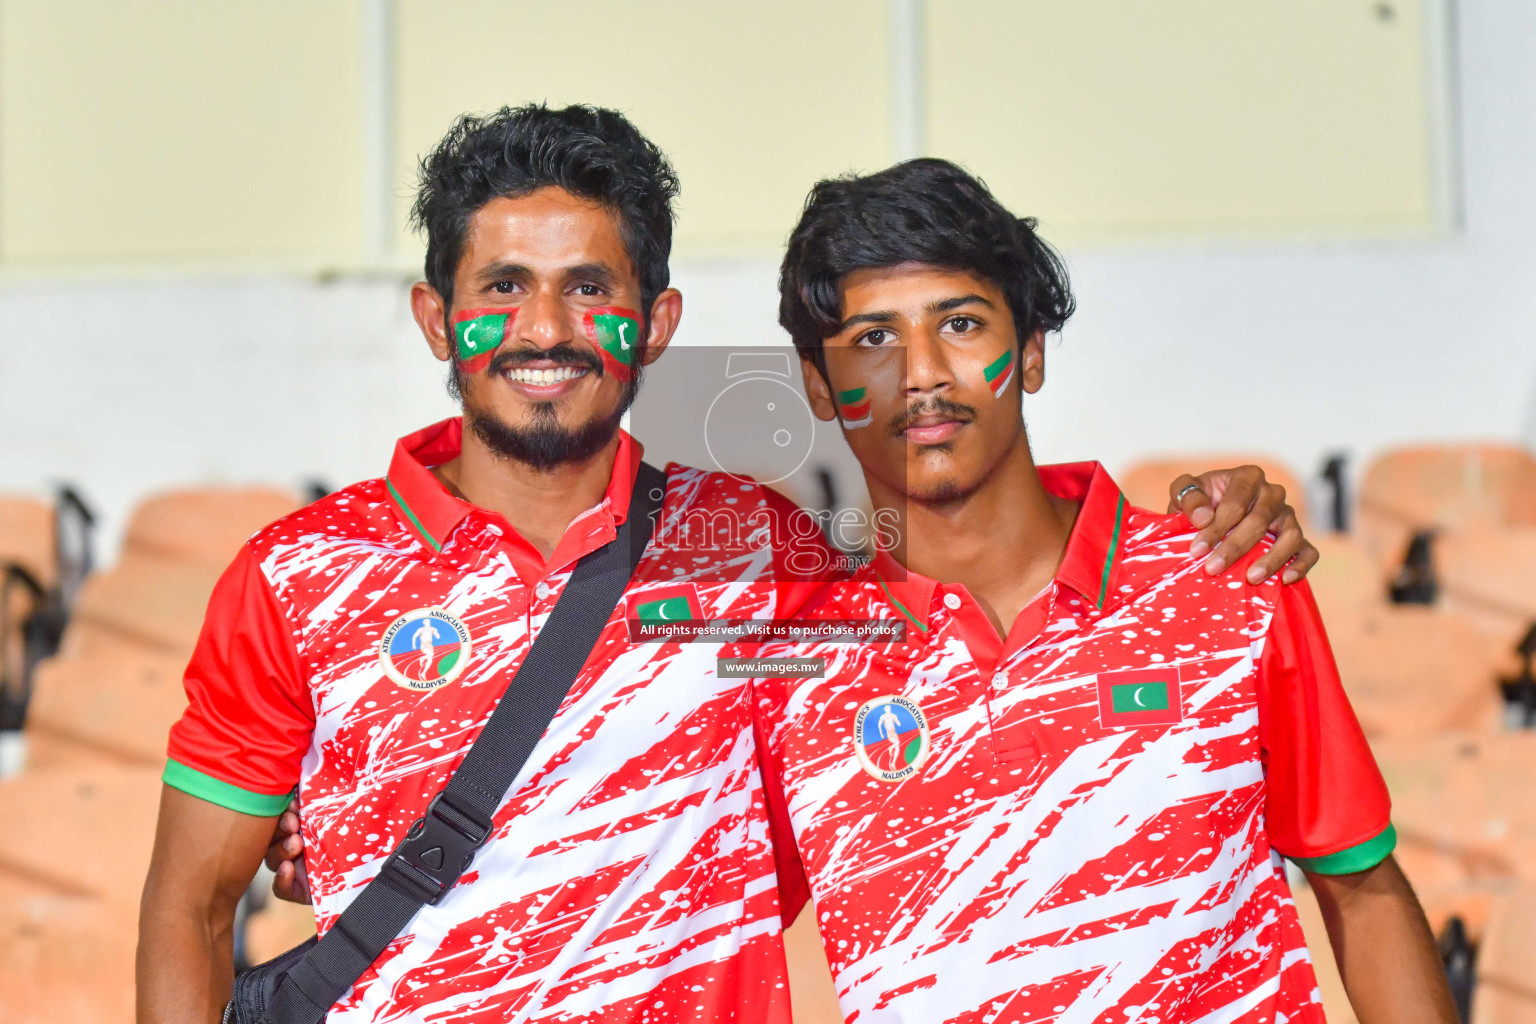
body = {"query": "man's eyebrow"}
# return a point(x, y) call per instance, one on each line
point(494, 272)
point(883, 316)
point(945, 305)
point(597, 273)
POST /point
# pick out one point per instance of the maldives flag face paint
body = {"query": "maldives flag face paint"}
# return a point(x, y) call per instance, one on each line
point(999, 373)
point(478, 333)
point(853, 404)
point(616, 333)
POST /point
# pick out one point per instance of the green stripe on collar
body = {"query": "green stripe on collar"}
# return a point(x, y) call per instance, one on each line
point(411, 516)
point(1109, 558)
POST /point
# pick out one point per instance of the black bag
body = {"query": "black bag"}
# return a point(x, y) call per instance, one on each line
point(301, 985)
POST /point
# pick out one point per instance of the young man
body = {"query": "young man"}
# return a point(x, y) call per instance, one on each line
point(1101, 752)
point(355, 649)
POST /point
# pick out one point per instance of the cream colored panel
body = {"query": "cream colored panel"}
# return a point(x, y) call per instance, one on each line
point(752, 101)
point(176, 129)
point(1112, 118)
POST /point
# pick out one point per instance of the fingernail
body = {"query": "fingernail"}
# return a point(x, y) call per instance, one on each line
point(1198, 549)
point(1256, 574)
point(1290, 576)
point(1201, 515)
point(1215, 564)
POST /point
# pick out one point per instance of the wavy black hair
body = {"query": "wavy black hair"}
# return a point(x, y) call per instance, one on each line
point(591, 152)
point(921, 211)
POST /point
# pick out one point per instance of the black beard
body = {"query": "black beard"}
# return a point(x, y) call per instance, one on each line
point(546, 444)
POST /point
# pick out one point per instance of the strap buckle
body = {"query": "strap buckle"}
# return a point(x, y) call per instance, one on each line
point(436, 850)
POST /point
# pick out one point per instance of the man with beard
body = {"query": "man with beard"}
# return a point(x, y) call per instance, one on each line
point(1105, 752)
point(629, 876)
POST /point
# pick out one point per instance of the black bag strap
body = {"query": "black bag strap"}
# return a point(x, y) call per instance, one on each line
point(440, 845)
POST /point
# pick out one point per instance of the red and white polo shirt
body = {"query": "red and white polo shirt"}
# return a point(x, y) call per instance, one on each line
point(355, 649)
point(1082, 821)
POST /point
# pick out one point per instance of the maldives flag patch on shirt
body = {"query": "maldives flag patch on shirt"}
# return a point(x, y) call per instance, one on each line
point(678, 602)
point(1143, 696)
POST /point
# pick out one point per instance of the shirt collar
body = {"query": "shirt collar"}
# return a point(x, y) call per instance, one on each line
point(1090, 566)
point(432, 513)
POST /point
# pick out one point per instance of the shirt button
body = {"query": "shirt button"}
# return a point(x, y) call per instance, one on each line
point(542, 590)
point(952, 602)
point(999, 680)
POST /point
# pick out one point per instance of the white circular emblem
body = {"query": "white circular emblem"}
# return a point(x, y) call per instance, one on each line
point(424, 649)
point(890, 737)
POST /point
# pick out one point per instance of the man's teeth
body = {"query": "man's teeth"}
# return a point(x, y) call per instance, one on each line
point(524, 375)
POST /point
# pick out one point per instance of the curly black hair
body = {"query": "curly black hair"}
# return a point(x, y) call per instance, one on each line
point(921, 211)
point(591, 152)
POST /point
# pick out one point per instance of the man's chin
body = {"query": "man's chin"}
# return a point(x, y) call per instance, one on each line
point(545, 443)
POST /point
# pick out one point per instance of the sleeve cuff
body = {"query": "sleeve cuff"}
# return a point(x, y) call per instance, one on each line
point(1360, 857)
point(217, 791)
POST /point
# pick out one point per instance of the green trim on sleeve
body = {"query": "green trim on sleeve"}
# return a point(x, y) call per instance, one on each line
point(1360, 857)
point(216, 791)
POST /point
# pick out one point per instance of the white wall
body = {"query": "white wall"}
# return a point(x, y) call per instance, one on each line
point(124, 385)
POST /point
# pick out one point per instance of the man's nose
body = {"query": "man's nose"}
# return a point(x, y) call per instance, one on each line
point(927, 370)
point(544, 320)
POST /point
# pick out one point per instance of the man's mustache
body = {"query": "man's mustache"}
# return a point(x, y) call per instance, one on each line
point(564, 354)
point(931, 407)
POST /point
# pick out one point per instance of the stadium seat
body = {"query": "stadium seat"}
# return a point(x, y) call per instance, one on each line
point(26, 535)
point(1488, 573)
point(1505, 992)
point(1407, 490)
point(65, 959)
point(87, 830)
point(204, 526)
point(1346, 581)
point(117, 707)
point(1414, 671)
point(1146, 482)
point(151, 600)
point(1466, 824)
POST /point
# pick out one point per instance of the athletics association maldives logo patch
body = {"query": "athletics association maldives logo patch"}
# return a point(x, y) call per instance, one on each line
point(855, 407)
point(424, 649)
point(616, 333)
point(1144, 696)
point(890, 737)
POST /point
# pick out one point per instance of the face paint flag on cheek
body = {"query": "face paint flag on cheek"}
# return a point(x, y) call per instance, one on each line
point(616, 333)
point(853, 404)
point(999, 373)
point(478, 333)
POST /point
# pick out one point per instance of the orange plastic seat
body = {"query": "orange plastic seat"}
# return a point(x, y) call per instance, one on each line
point(1415, 671)
point(119, 707)
point(1346, 581)
point(26, 535)
point(1506, 963)
point(65, 960)
point(1405, 490)
point(1465, 821)
point(1488, 573)
point(85, 831)
point(1146, 482)
point(154, 601)
point(206, 526)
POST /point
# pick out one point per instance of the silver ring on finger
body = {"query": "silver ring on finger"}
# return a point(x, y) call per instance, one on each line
point(1179, 498)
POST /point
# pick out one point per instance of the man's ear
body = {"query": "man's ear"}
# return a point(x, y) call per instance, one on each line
point(817, 390)
point(431, 314)
point(1032, 370)
point(666, 312)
